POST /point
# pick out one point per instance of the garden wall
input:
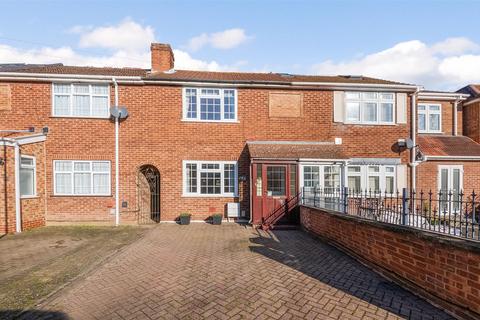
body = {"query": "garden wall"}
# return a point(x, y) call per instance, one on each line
point(444, 270)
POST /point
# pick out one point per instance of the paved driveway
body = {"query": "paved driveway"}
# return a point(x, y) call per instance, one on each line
point(231, 271)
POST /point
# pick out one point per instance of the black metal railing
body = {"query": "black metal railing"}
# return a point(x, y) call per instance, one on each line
point(452, 213)
point(278, 212)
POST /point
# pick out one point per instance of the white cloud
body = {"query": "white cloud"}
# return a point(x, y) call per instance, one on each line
point(442, 65)
point(127, 35)
point(226, 39)
point(126, 44)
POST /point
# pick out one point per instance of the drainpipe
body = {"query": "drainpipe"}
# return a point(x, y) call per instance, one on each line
point(455, 125)
point(18, 218)
point(117, 183)
point(413, 115)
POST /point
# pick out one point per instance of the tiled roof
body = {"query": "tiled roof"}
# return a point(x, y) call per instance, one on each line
point(439, 145)
point(191, 75)
point(61, 69)
point(294, 150)
point(248, 77)
point(472, 89)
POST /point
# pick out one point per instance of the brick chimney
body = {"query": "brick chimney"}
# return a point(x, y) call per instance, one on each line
point(162, 57)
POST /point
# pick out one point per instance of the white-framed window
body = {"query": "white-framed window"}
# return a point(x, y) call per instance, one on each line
point(324, 177)
point(28, 176)
point(81, 178)
point(450, 185)
point(429, 118)
point(371, 178)
point(210, 104)
point(210, 178)
point(81, 100)
point(370, 107)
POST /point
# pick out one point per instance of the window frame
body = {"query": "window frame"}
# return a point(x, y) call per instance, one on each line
point(34, 168)
point(222, 194)
point(199, 95)
point(362, 101)
point(450, 169)
point(427, 113)
point(71, 94)
point(321, 175)
point(364, 175)
point(72, 173)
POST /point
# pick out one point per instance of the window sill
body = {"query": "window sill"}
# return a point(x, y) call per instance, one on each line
point(430, 132)
point(82, 195)
point(212, 121)
point(81, 117)
point(29, 197)
point(373, 124)
point(208, 196)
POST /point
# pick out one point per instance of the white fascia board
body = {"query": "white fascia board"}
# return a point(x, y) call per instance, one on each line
point(461, 158)
point(472, 101)
point(288, 85)
point(442, 96)
point(34, 138)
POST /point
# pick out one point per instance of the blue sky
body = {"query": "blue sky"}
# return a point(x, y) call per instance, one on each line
point(433, 43)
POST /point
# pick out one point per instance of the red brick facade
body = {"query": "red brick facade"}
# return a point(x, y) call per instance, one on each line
point(445, 271)
point(156, 134)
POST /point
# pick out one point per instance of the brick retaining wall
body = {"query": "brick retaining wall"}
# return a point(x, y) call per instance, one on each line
point(443, 270)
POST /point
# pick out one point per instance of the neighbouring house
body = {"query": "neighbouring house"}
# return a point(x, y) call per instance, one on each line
point(234, 143)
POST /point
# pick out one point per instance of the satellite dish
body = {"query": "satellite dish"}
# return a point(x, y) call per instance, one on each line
point(409, 143)
point(119, 112)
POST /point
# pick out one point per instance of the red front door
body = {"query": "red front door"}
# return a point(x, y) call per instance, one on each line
point(272, 186)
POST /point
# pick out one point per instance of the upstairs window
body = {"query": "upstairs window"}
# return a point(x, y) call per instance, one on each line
point(429, 118)
point(369, 107)
point(81, 100)
point(202, 104)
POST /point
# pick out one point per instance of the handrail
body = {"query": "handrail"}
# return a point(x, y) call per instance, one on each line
point(280, 211)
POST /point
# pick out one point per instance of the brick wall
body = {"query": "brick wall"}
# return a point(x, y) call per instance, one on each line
point(447, 116)
point(427, 175)
point(444, 270)
point(471, 121)
point(155, 134)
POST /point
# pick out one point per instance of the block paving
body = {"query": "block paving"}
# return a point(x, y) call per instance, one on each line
point(232, 271)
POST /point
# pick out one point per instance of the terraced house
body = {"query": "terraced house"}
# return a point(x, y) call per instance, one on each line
point(239, 144)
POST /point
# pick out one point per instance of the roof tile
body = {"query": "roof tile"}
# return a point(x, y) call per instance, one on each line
point(439, 145)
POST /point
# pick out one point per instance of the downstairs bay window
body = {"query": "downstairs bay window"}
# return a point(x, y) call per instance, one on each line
point(371, 178)
point(210, 178)
point(81, 178)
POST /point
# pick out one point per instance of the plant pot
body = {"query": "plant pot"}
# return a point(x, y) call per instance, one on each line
point(184, 220)
point(217, 220)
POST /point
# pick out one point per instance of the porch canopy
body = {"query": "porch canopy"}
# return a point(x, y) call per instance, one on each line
point(295, 150)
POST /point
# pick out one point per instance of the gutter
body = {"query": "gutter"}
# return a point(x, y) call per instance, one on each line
point(464, 158)
point(442, 96)
point(472, 101)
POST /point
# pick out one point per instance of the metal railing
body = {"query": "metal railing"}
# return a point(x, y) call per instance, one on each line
point(451, 213)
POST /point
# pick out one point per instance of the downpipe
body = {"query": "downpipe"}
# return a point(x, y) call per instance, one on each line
point(117, 182)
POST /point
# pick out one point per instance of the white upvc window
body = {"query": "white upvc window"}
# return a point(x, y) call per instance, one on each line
point(28, 177)
point(210, 178)
point(429, 118)
point(210, 104)
point(371, 178)
point(81, 178)
point(80, 100)
point(324, 177)
point(370, 107)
